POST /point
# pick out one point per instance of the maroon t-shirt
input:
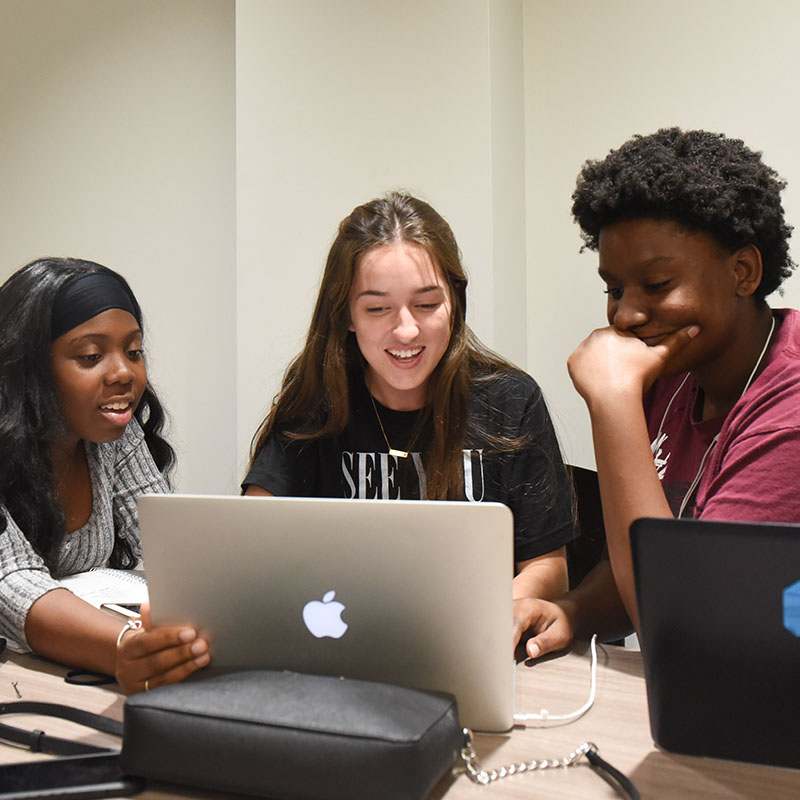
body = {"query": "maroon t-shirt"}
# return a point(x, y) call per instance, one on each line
point(751, 473)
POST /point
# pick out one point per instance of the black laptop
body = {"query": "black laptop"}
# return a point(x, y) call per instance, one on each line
point(719, 608)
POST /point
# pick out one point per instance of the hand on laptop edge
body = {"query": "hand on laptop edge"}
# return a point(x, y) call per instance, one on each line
point(550, 625)
point(542, 577)
point(151, 657)
point(592, 607)
point(61, 626)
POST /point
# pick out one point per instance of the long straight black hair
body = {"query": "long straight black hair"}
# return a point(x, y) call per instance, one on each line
point(31, 418)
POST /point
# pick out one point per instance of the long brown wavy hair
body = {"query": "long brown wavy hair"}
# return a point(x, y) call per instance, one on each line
point(314, 400)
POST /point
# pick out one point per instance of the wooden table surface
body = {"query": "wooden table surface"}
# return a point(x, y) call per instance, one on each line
point(617, 724)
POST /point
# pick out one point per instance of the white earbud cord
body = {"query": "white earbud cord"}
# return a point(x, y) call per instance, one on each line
point(696, 482)
point(549, 720)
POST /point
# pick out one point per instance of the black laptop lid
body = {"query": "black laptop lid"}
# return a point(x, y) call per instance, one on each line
point(719, 618)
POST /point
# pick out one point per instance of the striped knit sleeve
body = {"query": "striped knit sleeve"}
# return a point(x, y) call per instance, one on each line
point(23, 579)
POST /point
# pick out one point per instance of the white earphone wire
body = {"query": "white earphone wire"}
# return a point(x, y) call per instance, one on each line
point(548, 720)
point(696, 482)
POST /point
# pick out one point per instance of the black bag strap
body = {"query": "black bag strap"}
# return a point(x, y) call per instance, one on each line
point(622, 781)
point(40, 742)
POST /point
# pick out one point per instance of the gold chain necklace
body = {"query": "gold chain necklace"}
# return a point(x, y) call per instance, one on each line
point(392, 451)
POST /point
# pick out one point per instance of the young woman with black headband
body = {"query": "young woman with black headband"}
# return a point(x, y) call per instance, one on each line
point(80, 441)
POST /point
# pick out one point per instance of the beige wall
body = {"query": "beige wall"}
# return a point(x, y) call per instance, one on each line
point(338, 102)
point(208, 148)
point(596, 73)
point(117, 145)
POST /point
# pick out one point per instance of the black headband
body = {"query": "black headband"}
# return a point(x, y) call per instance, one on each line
point(86, 296)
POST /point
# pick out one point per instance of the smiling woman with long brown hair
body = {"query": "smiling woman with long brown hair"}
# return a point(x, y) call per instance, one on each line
point(80, 441)
point(393, 396)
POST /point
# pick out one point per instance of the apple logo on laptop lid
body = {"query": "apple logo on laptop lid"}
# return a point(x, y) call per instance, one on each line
point(324, 618)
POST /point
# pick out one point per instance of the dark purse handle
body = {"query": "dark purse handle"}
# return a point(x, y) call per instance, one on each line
point(38, 741)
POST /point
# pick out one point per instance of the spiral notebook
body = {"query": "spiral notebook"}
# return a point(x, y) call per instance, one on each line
point(106, 585)
point(399, 591)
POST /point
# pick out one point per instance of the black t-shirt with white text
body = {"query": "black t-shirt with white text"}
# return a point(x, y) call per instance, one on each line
point(531, 480)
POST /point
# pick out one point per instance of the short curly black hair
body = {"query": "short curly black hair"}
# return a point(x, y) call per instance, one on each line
point(702, 181)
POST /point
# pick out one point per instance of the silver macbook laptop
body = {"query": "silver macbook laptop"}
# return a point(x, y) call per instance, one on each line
point(406, 592)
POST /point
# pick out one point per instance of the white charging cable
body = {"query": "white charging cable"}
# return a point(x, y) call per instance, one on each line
point(546, 719)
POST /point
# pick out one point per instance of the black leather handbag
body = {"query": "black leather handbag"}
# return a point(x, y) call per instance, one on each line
point(282, 735)
point(289, 735)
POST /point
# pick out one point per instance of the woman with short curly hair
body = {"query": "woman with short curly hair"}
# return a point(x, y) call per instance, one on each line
point(693, 389)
